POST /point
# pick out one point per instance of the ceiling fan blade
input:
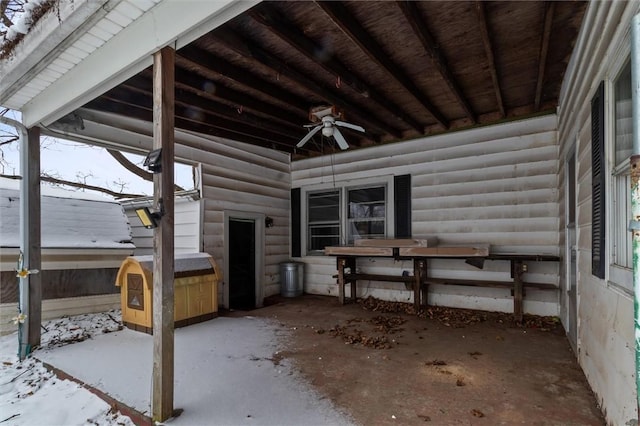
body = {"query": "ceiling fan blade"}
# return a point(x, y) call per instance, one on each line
point(349, 126)
point(342, 143)
point(309, 136)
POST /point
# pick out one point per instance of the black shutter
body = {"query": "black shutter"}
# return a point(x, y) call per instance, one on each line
point(295, 223)
point(598, 170)
point(402, 205)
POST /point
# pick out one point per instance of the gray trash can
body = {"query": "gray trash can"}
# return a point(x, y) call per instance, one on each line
point(291, 279)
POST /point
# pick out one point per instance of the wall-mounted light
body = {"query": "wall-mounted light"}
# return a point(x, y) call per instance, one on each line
point(268, 222)
point(153, 161)
point(149, 218)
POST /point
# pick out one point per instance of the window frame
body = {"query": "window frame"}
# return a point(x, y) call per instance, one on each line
point(386, 181)
point(618, 276)
point(326, 223)
point(347, 207)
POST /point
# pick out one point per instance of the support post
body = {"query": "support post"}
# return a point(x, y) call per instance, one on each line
point(32, 243)
point(30, 248)
point(163, 249)
point(635, 188)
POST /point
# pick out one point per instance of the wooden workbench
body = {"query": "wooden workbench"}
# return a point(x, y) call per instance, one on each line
point(474, 254)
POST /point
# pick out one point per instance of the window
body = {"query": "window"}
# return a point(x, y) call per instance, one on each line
point(362, 214)
point(323, 216)
point(620, 175)
point(366, 213)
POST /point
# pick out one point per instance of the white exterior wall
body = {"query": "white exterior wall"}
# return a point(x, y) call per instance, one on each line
point(246, 179)
point(496, 184)
point(234, 177)
point(187, 223)
point(605, 314)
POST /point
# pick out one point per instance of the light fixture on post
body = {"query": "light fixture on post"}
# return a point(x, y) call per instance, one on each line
point(148, 217)
point(153, 161)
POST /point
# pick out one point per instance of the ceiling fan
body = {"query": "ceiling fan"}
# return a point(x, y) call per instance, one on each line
point(327, 119)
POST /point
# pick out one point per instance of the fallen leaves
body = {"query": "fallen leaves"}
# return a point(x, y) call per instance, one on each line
point(459, 318)
point(356, 336)
point(477, 413)
point(376, 338)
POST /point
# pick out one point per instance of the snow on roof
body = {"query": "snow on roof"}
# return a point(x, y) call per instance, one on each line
point(68, 222)
point(183, 262)
point(53, 191)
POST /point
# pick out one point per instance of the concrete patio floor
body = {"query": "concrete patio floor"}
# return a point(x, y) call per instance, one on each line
point(311, 361)
point(448, 367)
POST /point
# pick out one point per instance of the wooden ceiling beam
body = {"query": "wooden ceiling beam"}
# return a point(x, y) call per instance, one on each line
point(288, 32)
point(339, 14)
point(140, 107)
point(431, 46)
point(549, 8)
point(488, 49)
point(204, 87)
point(236, 42)
point(210, 62)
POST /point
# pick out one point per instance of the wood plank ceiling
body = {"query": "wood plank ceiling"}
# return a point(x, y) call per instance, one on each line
point(399, 69)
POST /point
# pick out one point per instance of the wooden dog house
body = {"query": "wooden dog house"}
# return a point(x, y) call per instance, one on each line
point(196, 277)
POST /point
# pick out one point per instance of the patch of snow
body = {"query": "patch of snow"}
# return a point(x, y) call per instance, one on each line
point(32, 395)
point(227, 369)
point(22, 21)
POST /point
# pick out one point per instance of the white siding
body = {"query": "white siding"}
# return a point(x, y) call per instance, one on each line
point(187, 222)
point(239, 180)
point(494, 184)
point(605, 314)
point(234, 177)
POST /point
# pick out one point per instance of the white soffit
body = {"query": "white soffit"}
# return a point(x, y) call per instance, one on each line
point(46, 39)
point(116, 47)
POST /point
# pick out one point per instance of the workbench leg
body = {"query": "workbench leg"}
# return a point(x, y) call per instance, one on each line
point(517, 290)
point(341, 264)
point(354, 287)
point(417, 280)
point(424, 287)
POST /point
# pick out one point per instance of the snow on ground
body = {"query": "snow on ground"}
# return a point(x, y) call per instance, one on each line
point(228, 372)
point(31, 395)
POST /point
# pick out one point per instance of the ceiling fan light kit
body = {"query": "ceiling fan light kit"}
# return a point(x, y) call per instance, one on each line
point(326, 116)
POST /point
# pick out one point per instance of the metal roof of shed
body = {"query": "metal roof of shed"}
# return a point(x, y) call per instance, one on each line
point(67, 222)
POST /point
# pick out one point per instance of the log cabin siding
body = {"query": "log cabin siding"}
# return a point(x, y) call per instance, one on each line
point(232, 176)
point(242, 178)
point(187, 223)
point(605, 346)
point(496, 184)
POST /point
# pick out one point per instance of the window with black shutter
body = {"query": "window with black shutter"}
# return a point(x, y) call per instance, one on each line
point(598, 248)
point(349, 211)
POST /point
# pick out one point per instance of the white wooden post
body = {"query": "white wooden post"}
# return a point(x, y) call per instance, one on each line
point(163, 250)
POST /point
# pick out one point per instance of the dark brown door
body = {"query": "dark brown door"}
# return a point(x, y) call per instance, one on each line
point(242, 261)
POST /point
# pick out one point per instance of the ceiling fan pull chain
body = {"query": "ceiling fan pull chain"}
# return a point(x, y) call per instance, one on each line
point(338, 82)
point(240, 108)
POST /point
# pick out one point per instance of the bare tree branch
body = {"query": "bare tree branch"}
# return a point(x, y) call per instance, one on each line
point(117, 155)
point(56, 181)
point(8, 141)
point(4, 4)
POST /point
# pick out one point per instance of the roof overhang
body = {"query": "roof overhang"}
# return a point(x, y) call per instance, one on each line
point(43, 99)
